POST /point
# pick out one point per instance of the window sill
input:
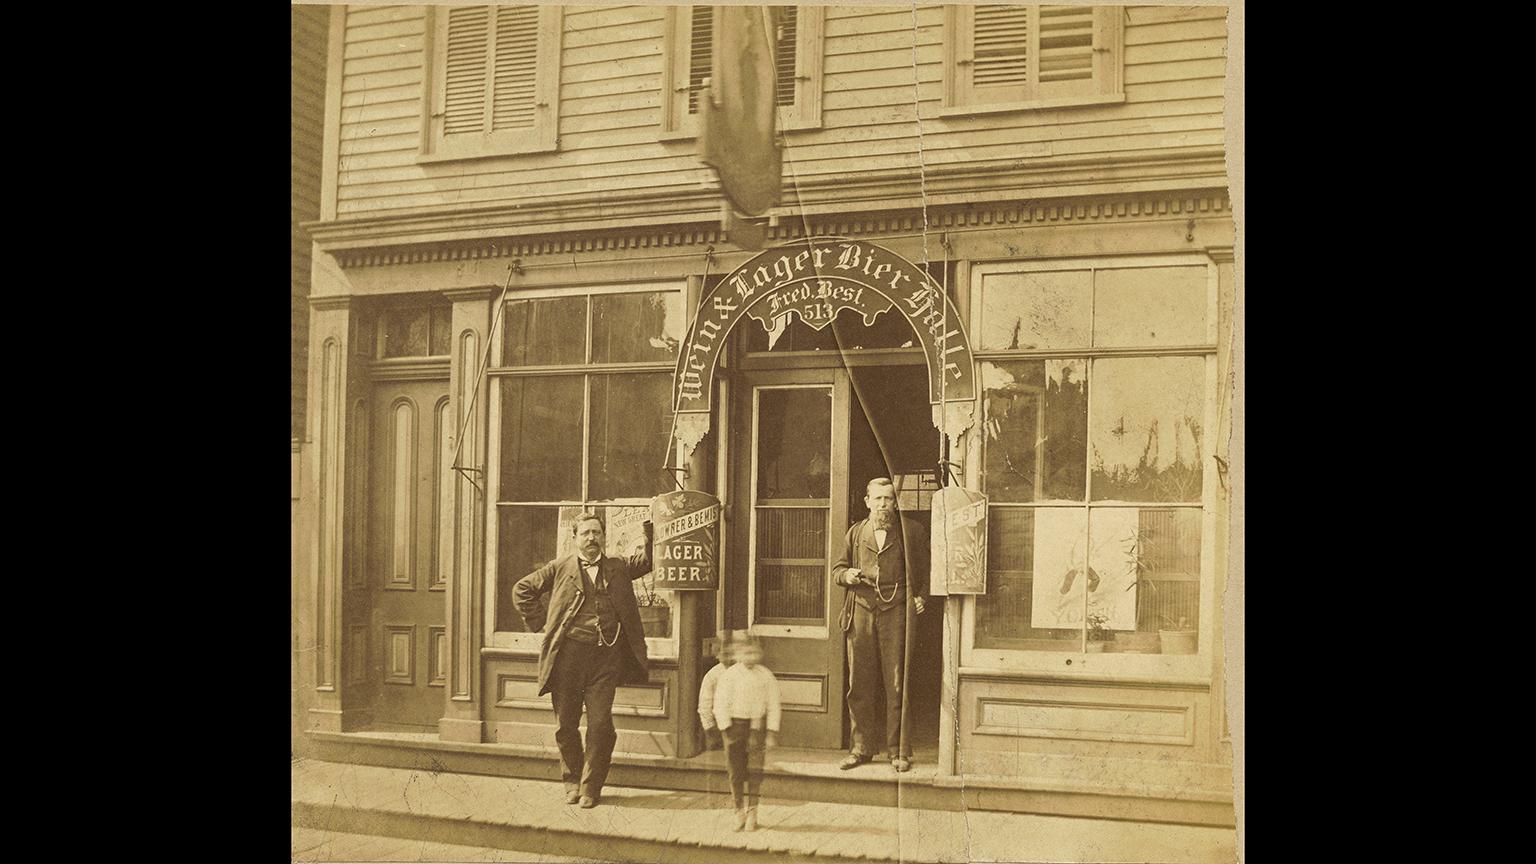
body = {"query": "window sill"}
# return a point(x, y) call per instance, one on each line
point(955, 111)
point(432, 158)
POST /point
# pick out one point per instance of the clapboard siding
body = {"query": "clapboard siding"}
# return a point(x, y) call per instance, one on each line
point(309, 27)
point(612, 67)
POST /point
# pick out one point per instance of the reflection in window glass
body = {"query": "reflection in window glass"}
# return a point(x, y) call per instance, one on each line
point(545, 332)
point(442, 326)
point(1146, 434)
point(1145, 306)
point(525, 541)
point(541, 439)
point(634, 328)
point(405, 333)
point(1005, 615)
point(1036, 310)
point(1035, 417)
point(794, 443)
point(631, 419)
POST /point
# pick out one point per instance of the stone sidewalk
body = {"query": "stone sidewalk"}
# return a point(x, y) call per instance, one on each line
point(530, 816)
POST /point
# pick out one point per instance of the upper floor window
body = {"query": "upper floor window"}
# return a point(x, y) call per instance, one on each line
point(690, 39)
point(1001, 58)
point(495, 81)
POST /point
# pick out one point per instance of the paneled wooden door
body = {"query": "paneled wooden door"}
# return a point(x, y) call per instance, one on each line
point(407, 555)
point(791, 485)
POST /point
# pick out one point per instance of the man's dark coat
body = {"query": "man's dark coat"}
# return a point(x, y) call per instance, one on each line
point(562, 579)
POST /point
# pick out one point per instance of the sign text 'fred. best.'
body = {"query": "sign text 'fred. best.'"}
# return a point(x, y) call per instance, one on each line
point(814, 280)
point(685, 538)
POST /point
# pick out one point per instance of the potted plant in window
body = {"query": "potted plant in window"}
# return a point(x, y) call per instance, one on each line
point(1098, 633)
point(655, 614)
point(1180, 639)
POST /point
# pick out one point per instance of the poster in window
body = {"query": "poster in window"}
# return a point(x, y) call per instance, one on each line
point(1063, 573)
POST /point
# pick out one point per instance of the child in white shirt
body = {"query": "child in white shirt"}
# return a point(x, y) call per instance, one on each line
point(712, 739)
point(746, 706)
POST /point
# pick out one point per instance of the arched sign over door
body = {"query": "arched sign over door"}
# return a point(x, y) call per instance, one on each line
point(815, 279)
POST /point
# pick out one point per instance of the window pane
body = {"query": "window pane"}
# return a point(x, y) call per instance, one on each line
point(541, 439)
point(1148, 563)
point(631, 419)
point(1035, 414)
point(791, 564)
point(794, 443)
point(633, 328)
point(547, 332)
point(1146, 431)
point(405, 333)
point(1149, 306)
point(442, 326)
point(1036, 310)
point(525, 540)
point(1021, 543)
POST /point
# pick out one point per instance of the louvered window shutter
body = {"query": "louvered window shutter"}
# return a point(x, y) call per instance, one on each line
point(494, 92)
point(784, 54)
point(700, 52)
point(467, 48)
point(516, 68)
point(1028, 53)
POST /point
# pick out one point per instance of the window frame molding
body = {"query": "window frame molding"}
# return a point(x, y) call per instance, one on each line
point(810, 50)
point(666, 648)
point(542, 138)
point(1077, 664)
point(959, 100)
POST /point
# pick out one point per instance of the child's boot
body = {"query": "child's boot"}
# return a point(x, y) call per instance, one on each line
point(741, 818)
point(751, 819)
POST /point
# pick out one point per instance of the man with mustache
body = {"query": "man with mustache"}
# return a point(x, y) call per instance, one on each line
point(593, 642)
point(874, 571)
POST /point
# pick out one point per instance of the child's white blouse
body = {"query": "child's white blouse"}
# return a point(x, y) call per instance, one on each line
point(748, 694)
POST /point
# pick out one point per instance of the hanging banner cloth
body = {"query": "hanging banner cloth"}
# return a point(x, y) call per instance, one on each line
point(737, 111)
point(816, 279)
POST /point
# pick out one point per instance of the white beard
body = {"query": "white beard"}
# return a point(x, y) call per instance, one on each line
point(882, 519)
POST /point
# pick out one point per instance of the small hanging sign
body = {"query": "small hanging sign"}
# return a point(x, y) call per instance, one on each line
point(958, 527)
point(686, 530)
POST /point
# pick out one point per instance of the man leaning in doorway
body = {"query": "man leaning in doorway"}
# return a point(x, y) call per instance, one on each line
point(593, 642)
point(873, 570)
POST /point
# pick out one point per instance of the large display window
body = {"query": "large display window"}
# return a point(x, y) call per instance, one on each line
point(580, 411)
point(1097, 400)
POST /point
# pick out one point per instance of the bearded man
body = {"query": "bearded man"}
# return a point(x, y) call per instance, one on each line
point(873, 571)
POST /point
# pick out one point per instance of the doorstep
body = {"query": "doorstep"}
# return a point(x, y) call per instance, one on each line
point(806, 775)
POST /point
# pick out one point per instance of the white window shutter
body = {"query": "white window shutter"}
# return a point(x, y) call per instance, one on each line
point(467, 52)
point(515, 64)
point(1000, 48)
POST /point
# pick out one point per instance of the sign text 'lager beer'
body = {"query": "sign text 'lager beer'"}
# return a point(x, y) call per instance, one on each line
point(686, 530)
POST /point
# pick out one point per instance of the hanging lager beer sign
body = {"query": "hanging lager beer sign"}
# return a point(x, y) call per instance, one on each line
point(685, 537)
point(959, 544)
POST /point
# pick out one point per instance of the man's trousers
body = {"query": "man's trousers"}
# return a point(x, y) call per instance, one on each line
point(876, 644)
point(585, 676)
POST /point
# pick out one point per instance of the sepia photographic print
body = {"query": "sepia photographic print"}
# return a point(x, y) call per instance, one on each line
point(766, 433)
